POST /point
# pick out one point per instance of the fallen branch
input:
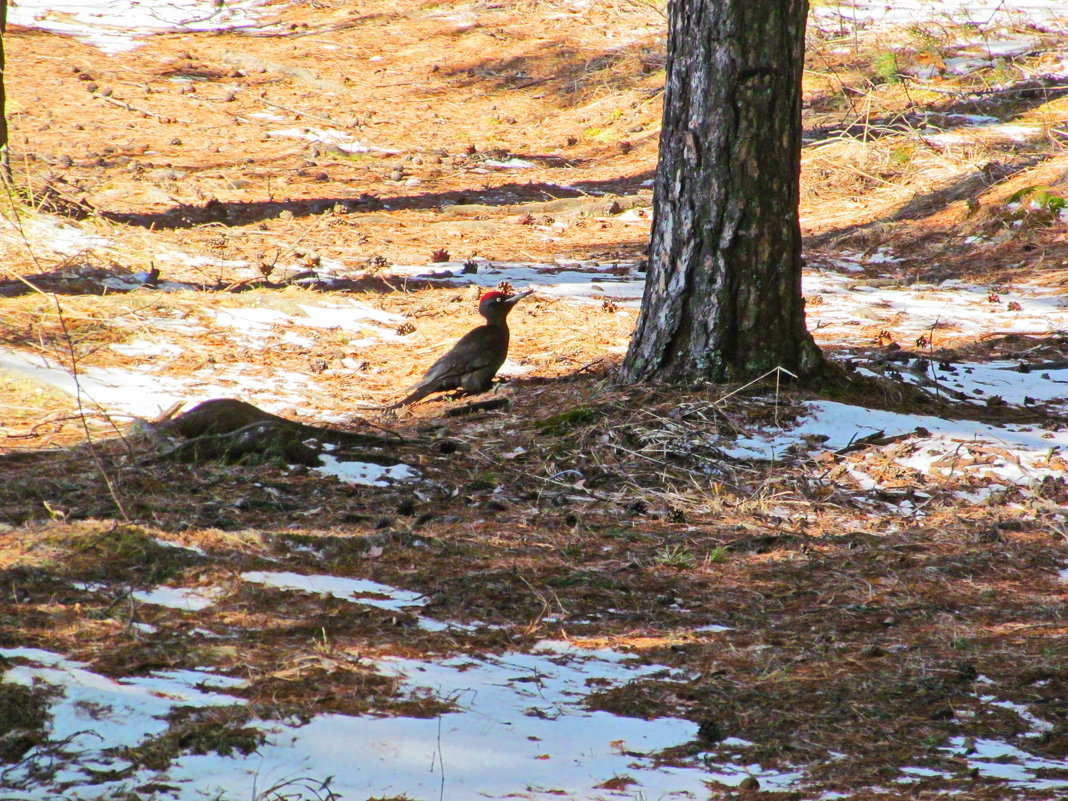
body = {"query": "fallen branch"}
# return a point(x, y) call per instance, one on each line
point(233, 430)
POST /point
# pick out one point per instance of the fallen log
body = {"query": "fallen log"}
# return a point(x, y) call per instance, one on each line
point(233, 430)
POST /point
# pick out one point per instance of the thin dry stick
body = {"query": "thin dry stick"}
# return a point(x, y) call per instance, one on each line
point(82, 414)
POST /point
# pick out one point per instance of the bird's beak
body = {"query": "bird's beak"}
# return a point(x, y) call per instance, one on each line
point(516, 298)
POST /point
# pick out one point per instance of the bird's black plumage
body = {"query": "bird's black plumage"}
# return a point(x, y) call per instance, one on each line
point(474, 360)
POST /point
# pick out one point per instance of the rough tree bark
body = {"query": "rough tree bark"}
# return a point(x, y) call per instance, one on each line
point(723, 294)
point(5, 160)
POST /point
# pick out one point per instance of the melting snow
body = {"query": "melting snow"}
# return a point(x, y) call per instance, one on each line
point(1018, 454)
point(258, 323)
point(1025, 714)
point(882, 15)
point(114, 390)
point(117, 25)
point(577, 280)
point(1017, 768)
point(908, 311)
point(362, 591)
point(47, 231)
point(96, 716)
point(366, 473)
point(189, 600)
point(520, 730)
point(1004, 380)
point(509, 164)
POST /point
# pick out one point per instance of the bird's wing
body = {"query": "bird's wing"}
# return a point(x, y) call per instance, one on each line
point(469, 354)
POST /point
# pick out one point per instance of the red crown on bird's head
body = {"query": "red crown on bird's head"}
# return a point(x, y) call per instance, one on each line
point(492, 294)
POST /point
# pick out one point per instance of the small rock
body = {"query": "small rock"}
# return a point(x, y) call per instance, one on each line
point(285, 214)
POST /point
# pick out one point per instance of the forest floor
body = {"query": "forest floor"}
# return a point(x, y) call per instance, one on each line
point(593, 591)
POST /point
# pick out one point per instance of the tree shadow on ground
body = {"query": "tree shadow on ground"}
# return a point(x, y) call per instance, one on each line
point(244, 213)
point(565, 73)
point(966, 188)
point(1006, 104)
point(117, 280)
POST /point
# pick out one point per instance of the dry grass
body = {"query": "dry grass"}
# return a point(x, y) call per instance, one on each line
point(585, 510)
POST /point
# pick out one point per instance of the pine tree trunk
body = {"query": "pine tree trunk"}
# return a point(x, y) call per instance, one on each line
point(723, 295)
point(5, 159)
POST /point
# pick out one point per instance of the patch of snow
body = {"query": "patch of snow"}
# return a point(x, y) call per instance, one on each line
point(58, 236)
point(114, 390)
point(366, 473)
point(89, 586)
point(1015, 454)
point(509, 164)
point(1015, 767)
point(583, 281)
point(96, 716)
point(188, 600)
point(915, 774)
point(735, 742)
point(254, 322)
point(1003, 379)
point(1025, 714)
point(346, 316)
point(521, 729)
point(1013, 132)
point(167, 544)
point(115, 26)
point(908, 311)
point(361, 591)
point(878, 15)
point(510, 368)
point(269, 116)
point(259, 323)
